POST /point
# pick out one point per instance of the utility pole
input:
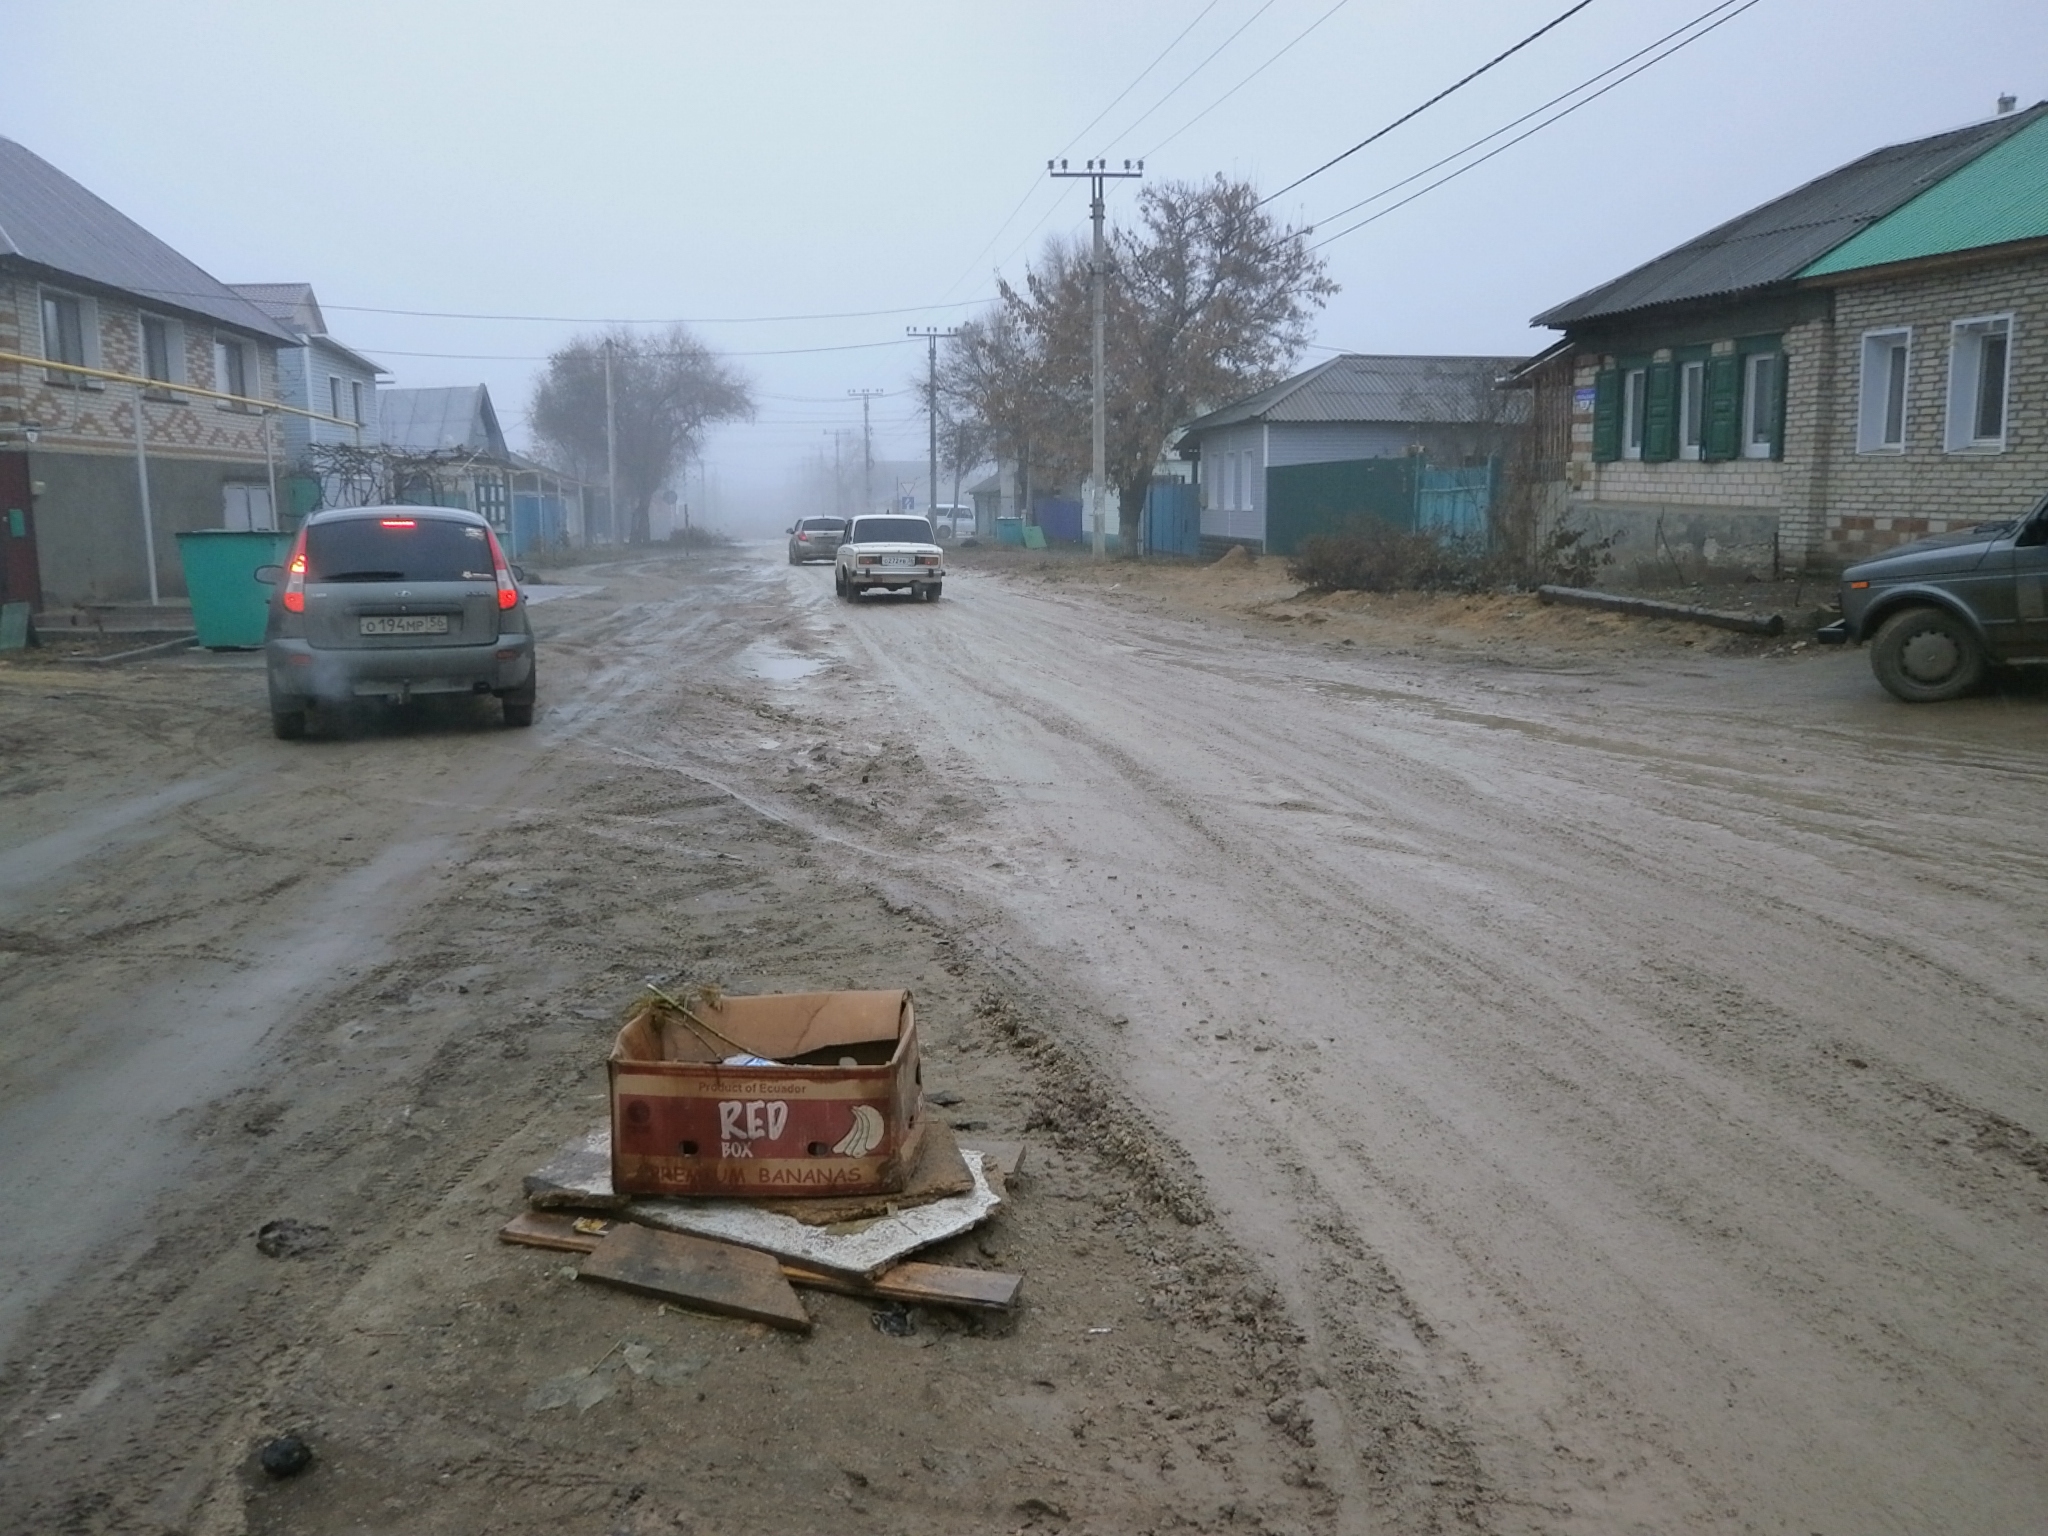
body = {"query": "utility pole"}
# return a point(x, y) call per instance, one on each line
point(1098, 172)
point(867, 448)
point(611, 449)
point(931, 335)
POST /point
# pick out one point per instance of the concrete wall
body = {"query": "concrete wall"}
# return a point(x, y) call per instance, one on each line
point(89, 522)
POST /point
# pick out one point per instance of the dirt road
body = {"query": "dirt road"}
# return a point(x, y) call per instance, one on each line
point(1615, 1081)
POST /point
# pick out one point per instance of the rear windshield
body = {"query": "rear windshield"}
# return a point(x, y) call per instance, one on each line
point(892, 530)
point(397, 549)
point(823, 524)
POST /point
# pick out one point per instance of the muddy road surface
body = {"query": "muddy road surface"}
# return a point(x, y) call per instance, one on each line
point(1508, 1087)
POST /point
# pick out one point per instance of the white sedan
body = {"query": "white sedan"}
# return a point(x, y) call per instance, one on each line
point(892, 550)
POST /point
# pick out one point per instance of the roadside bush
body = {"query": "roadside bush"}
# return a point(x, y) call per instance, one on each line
point(1372, 556)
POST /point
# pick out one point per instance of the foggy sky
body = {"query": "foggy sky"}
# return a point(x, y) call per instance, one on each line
point(718, 162)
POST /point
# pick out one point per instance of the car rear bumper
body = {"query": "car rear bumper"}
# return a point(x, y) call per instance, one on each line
point(300, 670)
point(868, 576)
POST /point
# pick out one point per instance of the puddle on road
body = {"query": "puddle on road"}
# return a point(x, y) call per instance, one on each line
point(773, 664)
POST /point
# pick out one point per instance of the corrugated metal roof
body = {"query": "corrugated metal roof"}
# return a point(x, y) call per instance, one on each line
point(1359, 387)
point(2000, 196)
point(456, 417)
point(50, 220)
point(293, 306)
point(1773, 243)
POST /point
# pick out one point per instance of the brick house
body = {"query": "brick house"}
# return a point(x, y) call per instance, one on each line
point(1858, 363)
point(89, 504)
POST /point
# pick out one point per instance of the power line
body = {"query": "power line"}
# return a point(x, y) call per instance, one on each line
point(1247, 80)
point(1162, 101)
point(846, 314)
point(1439, 96)
point(1156, 62)
point(541, 357)
point(1032, 190)
point(1532, 112)
point(1556, 117)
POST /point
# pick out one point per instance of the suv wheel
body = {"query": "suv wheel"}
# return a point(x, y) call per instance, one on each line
point(1926, 656)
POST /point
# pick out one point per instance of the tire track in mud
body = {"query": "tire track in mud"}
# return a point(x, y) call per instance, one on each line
point(1635, 1034)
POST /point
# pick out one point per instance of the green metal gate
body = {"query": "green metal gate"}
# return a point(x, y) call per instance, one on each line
point(1307, 500)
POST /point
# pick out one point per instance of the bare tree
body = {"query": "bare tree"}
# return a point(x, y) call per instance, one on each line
point(667, 389)
point(1209, 299)
point(993, 373)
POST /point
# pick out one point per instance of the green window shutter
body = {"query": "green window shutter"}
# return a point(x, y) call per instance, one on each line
point(1724, 407)
point(1780, 375)
point(1660, 412)
point(1607, 416)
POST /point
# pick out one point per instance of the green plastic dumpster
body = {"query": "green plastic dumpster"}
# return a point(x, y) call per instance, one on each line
point(229, 605)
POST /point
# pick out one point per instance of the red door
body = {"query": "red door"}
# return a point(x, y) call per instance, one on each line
point(20, 577)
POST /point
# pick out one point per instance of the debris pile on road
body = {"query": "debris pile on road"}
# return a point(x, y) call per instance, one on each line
point(721, 1106)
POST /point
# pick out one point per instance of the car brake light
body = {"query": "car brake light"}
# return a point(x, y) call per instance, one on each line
point(508, 594)
point(294, 597)
point(399, 522)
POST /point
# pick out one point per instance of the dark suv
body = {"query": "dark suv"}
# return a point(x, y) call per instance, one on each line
point(1939, 611)
point(395, 602)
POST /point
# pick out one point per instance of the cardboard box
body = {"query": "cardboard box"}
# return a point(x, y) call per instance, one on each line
point(839, 1110)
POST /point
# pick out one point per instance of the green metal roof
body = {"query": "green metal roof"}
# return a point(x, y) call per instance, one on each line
point(2000, 196)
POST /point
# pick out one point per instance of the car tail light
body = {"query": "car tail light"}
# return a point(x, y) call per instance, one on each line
point(508, 594)
point(399, 522)
point(295, 576)
point(927, 559)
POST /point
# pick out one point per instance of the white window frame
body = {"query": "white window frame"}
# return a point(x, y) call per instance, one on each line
point(1692, 408)
point(334, 395)
point(221, 344)
point(1877, 379)
point(355, 395)
point(88, 339)
point(1635, 398)
point(1759, 412)
point(174, 348)
point(1965, 383)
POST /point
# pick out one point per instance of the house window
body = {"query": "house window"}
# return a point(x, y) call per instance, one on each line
point(1881, 412)
point(333, 395)
point(230, 370)
point(1977, 380)
point(163, 350)
point(1761, 372)
point(1635, 385)
point(355, 397)
point(1692, 407)
point(71, 335)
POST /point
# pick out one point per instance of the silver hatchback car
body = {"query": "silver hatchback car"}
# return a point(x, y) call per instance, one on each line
point(396, 602)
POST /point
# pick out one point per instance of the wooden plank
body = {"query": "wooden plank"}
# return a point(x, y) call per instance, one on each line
point(698, 1273)
point(941, 1285)
point(938, 1284)
point(559, 1230)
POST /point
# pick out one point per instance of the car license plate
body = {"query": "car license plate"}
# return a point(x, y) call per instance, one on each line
point(407, 624)
point(896, 560)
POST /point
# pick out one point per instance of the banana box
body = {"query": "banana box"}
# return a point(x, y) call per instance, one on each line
point(783, 1095)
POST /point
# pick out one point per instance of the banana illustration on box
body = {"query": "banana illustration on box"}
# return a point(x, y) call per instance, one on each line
point(865, 1136)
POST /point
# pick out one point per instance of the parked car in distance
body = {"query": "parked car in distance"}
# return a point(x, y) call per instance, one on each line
point(952, 521)
point(894, 551)
point(394, 603)
point(1938, 612)
point(815, 538)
